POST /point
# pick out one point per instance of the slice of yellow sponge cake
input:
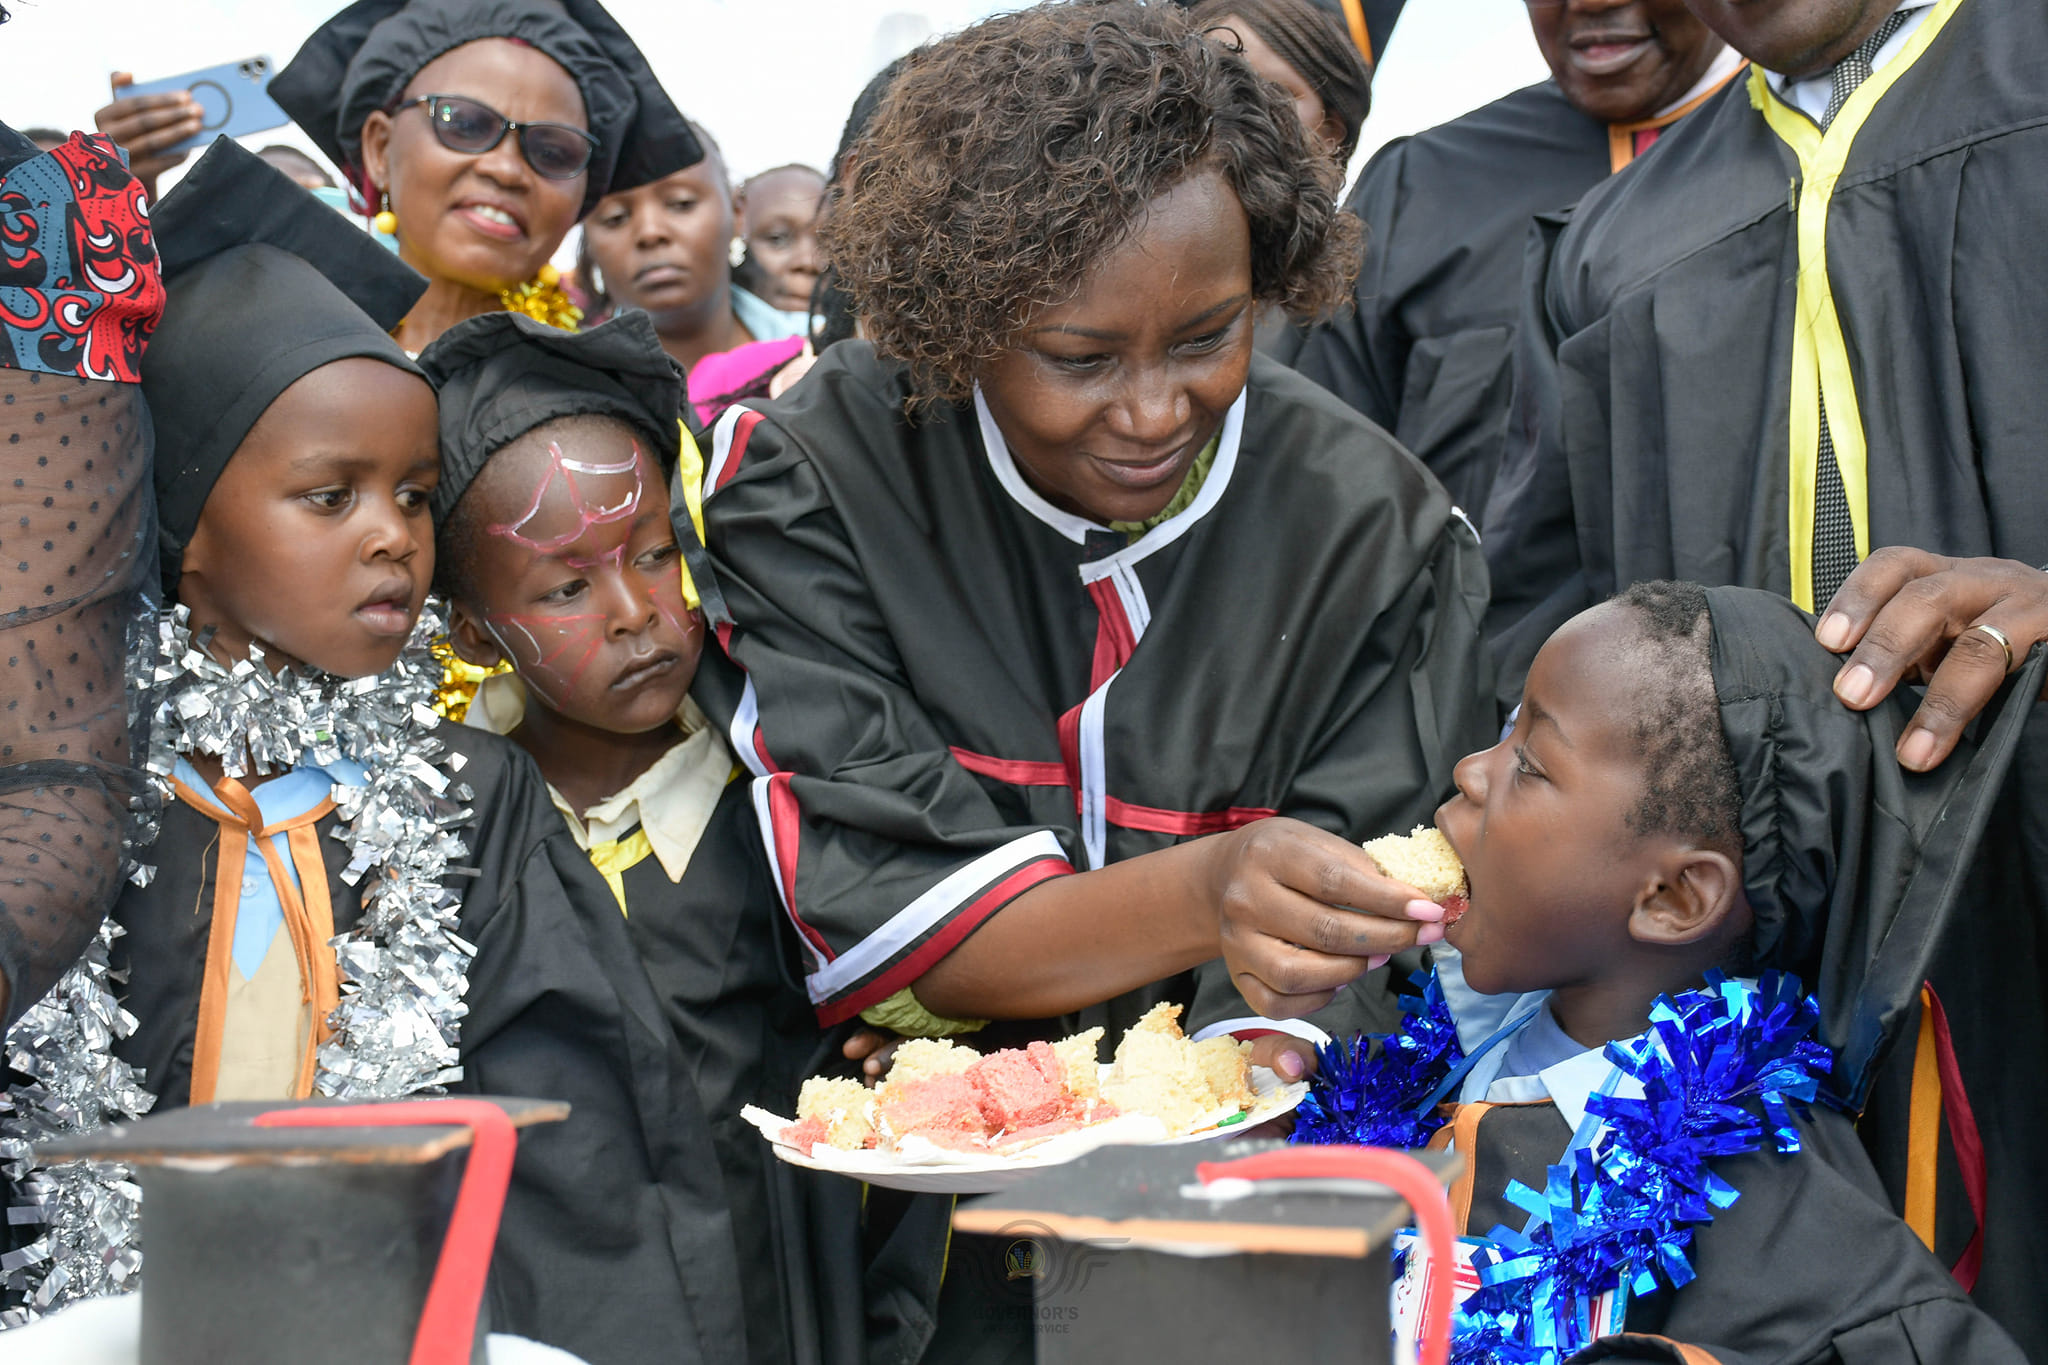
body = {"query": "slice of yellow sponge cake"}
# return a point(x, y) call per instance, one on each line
point(1426, 861)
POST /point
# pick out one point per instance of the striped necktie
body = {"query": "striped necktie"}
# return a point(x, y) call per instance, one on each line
point(1834, 530)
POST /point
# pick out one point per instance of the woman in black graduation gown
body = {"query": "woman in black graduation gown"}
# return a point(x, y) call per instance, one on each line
point(1047, 601)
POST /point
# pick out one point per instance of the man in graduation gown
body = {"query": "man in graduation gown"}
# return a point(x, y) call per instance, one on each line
point(1807, 328)
point(1447, 212)
point(616, 1239)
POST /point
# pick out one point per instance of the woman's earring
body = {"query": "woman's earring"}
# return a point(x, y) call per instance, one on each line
point(386, 221)
point(736, 254)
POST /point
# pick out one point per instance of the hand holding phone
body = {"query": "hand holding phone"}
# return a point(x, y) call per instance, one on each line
point(147, 126)
point(171, 117)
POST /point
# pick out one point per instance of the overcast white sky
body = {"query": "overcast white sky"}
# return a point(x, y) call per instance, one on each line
point(772, 79)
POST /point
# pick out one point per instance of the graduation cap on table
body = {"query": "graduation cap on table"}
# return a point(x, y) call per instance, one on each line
point(319, 1233)
point(1153, 1253)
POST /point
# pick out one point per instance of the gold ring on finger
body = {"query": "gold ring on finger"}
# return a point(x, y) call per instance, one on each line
point(1998, 635)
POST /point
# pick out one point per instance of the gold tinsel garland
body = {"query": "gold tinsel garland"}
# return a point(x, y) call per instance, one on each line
point(543, 299)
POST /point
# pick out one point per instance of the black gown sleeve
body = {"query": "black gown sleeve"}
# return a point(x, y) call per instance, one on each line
point(1361, 355)
point(1810, 1266)
point(886, 851)
point(1389, 748)
point(1531, 527)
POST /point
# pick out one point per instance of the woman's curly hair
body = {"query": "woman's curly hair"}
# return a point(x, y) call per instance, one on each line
point(1008, 159)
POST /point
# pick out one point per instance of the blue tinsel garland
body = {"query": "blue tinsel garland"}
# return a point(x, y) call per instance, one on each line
point(1366, 1097)
point(1619, 1213)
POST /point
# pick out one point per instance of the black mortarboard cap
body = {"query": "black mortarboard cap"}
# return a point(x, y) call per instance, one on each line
point(266, 284)
point(362, 59)
point(1853, 865)
point(350, 1245)
point(500, 375)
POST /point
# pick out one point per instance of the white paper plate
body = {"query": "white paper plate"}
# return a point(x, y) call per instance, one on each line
point(927, 1169)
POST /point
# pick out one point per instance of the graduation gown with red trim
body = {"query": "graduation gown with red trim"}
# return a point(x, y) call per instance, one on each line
point(617, 1241)
point(1655, 372)
point(953, 691)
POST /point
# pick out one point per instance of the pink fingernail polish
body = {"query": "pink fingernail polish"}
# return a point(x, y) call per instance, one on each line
point(1377, 961)
point(1425, 910)
point(1428, 934)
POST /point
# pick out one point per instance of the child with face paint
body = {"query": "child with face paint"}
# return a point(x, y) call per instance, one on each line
point(351, 898)
point(557, 556)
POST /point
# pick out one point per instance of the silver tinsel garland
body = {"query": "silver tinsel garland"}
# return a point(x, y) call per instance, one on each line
point(403, 968)
point(89, 1216)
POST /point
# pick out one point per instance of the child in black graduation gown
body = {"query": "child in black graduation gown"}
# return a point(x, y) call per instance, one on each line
point(1680, 793)
point(558, 556)
point(477, 949)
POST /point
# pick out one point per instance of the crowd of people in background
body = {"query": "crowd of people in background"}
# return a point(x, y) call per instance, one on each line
point(993, 584)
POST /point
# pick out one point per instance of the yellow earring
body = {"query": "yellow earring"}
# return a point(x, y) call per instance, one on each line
point(386, 221)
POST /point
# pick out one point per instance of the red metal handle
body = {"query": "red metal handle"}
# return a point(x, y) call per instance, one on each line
point(1401, 1173)
point(447, 1333)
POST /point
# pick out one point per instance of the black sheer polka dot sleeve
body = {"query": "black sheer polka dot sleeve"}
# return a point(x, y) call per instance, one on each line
point(79, 295)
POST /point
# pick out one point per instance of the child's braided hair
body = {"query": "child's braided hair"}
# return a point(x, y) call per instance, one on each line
point(1689, 787)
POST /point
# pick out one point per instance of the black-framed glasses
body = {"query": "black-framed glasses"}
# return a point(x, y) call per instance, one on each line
point(554, 150)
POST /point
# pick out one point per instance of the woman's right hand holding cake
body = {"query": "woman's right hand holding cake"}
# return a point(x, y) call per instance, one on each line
point(1301, 913)
point(1295, 912)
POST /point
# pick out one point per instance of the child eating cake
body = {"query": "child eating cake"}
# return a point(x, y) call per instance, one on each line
point(1681, 795)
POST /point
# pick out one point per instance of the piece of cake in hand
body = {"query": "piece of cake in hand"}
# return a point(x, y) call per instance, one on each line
point(1426, 861)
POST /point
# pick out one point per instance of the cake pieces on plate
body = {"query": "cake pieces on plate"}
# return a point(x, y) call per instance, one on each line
point(954, 1097)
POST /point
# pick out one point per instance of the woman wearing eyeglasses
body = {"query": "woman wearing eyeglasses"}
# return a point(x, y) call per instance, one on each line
point(478, 132)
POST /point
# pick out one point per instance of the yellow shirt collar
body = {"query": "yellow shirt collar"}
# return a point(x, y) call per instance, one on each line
point(672, 801)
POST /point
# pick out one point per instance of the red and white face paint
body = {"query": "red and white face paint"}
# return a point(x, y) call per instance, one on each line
point(579, 580)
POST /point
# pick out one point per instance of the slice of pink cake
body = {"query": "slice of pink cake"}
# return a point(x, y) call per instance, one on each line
point(942, 1109)
point(1016, 1091)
